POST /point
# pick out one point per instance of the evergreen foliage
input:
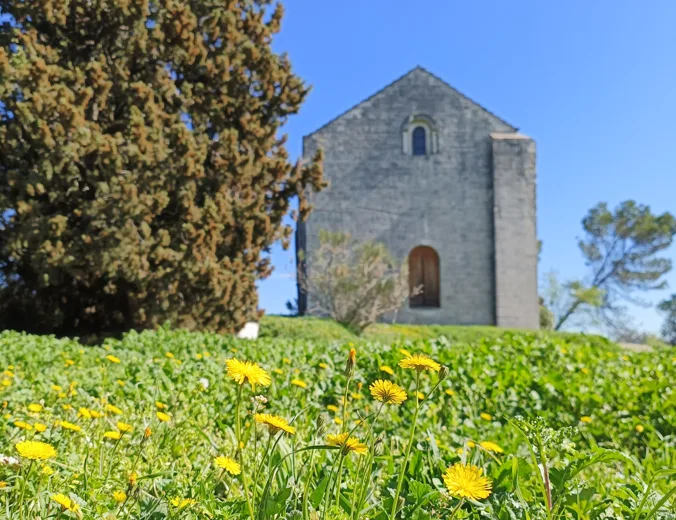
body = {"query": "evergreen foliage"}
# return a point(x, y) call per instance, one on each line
point(142, 172)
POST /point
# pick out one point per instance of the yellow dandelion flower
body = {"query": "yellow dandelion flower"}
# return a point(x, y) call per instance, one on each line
point(564, 351)
point(466, 481)
point(161, 405)
point(491, 446)
point(387, 370)
point(338, 421)
point(286, 360)
point(586, 419)
point(47, 470)
point(116, 436)
point(459, 451)
point(113, 409)
point(584, 370)
point(132, 479)
point(420, 362)
point(471, 444)
point(405, 352)
point(182, 503)
point(23, 425)
point(35, 407)
point(208, 354)
point(3, 484)
point(387, 392)
point(70, 426)
point(124, 427)
point(56, 388)
point(198, 356)
point(450, 392)
point(67, 407)
point(278, 371)
point(8, 373)
point(332, 408)
point(274, 423)
point(96, 414)
point(163, 416)
point(120, 382)
point(298, 382)
point(420, 395)
point(39, 427)
point(69, 362)
point(323, 365)
point(356, 396)
point(486, 416)
point(640, 428)
point(119, 496)
point(625, 358)
point(84, 412)
point(65, 502)
point(6, 382)
point(228, 464)
point(35, 450)
point(112, 358)
point(347, 443)
point(247, 372)
point(170, 355)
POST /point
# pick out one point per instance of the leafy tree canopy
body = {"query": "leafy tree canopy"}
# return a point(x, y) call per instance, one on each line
point(622, 250)
point(668, 307)
point(142, 173)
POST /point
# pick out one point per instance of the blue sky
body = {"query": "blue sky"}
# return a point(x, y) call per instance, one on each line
point(593, 82)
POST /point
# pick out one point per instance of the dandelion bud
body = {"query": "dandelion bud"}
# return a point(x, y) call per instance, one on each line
point(351, 362)
point(147, 433)
point(379, 445)
point(443, 372)
point(322, 421)
point(132, 479)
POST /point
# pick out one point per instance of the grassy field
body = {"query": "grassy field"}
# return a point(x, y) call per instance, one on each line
point(147, 427)
point(323, 330)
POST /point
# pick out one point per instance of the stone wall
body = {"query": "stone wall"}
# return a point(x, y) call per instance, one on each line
point(379, 191)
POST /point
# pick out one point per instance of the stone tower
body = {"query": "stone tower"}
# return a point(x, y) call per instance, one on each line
point(442, 182)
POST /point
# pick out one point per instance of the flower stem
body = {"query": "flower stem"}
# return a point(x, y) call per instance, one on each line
point(339, 480)
point(456, 509)
point(411, 436)
point(240, 451)
point(306, 491)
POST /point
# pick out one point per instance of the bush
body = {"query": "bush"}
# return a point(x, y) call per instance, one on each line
point(354, 283)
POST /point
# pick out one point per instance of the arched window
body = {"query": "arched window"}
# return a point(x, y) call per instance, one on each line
point(419, 141)
point(423, 271)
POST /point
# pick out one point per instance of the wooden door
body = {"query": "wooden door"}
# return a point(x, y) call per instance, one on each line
point(423, 270)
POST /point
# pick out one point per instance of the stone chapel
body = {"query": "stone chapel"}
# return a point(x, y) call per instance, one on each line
point(443, 183)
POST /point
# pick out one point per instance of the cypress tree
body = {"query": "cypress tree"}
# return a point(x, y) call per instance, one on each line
point(142, 169)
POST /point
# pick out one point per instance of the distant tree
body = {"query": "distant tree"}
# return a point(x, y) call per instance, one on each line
point(558, 297)
point(142, 172)
point(546, 316)
point(621, 248)
point(668, 306)
point(353, 282)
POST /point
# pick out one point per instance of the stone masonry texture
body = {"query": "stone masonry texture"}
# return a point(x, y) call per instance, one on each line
point(472, 200)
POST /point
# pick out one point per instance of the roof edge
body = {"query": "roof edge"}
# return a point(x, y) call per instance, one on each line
point(509, 136)
point(362, 102)
point(417, 67)
point(467, 98)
